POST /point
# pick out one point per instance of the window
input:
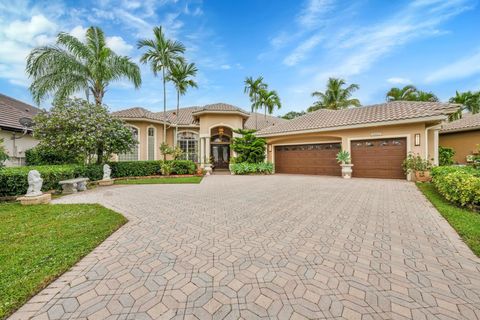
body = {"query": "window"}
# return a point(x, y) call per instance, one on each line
point(133, 154)
point(188, 142)
point(151, 143)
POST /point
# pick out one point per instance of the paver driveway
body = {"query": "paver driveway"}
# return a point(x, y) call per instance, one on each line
point(272, 247)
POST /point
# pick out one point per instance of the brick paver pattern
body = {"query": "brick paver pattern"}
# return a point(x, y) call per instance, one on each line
point(285, 247)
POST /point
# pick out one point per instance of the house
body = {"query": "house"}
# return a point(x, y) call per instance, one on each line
point(378, 136)
point(463, 136)
point(17, 138)
point(203, 133)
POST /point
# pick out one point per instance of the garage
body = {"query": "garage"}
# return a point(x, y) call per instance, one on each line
point(379, 158)
point(317, 159)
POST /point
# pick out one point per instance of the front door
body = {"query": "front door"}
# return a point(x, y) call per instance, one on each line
point(221, 155)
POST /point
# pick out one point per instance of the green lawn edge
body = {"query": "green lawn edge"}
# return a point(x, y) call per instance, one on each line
point(466, 222)
point(171, 180)
point(39, 243)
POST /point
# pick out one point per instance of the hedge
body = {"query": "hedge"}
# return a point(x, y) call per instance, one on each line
point(252, 168)
point(460, 185)
point(14, 181)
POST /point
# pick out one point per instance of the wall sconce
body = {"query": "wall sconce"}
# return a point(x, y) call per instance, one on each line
point(269, 148)
point(417, 139)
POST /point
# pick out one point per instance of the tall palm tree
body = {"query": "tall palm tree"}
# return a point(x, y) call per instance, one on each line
point(425, 96)
point(181, 74)
point(404, 93)
point(335, 96)
point(71, 65)
point(469, 100)
point(161, 54)
point(268, 100)
point(252, 88)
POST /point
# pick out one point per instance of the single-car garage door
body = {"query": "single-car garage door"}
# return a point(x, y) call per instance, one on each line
point(308, 159)
point(379, 158)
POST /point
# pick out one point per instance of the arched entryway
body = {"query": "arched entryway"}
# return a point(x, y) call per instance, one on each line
point(220, 139)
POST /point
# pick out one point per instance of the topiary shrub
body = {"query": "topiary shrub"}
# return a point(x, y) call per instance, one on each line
point(460, 185)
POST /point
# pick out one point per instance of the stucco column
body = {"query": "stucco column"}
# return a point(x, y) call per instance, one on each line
point(207, 149)
point(435, 147)
point(201, 143)
point(345, 144)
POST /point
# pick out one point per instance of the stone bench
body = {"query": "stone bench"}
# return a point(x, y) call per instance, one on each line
point(73, 185)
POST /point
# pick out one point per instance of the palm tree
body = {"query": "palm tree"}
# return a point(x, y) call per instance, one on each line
point(404, 93)
point(252, 88)
point(268, 100)
point(161, 54)
point(180, 73)
point(425, 96)
point(335, 97)
point(71, 65)
point(469, 100)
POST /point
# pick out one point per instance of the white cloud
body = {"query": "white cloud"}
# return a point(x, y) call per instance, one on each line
point(399, 80)
point(79, 32)
point(312, 11)
point(118, 45)
point(302, 50)
point(225, 67)
point(26, 30)
point(462, 68)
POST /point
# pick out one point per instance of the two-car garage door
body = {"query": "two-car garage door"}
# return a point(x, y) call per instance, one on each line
point(375, 158)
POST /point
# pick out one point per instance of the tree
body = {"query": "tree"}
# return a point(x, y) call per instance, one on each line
point(161, 54)
point(252, 88)
point(335, 96)
point(78, 129)
point(71, 66)
point(3, 153)
point(292, 115)
point(268, 100)
point(470, 101)
point(410, 93)
point(249, 147)
point(180, 74)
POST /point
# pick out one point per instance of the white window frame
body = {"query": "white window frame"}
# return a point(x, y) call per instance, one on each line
point(154, 142)
point(138, 140)
point(197, 140)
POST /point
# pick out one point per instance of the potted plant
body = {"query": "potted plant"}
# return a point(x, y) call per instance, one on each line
point(343, 157)
point(419, 166)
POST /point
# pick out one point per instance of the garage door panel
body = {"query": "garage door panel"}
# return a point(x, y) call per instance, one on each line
point(379, 158)
point(308, 159)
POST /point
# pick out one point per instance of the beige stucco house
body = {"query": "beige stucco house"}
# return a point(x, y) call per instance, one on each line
point(463, 136)
point(378, 137)
point(16, 138)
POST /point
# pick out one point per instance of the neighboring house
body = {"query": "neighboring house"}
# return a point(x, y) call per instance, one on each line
point(378, 137)
point(204, 133)
point(16, 138)
point(463, 136)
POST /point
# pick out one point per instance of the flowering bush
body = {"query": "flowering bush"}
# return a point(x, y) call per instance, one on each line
point(460, 185)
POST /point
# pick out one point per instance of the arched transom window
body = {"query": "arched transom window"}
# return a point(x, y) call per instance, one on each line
point(133, 154)
point(188, 142)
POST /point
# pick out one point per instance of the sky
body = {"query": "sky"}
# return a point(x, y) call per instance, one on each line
point(295, 45)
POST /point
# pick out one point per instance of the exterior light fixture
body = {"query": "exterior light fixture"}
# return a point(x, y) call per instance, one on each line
point(220, 131)
point(417, 139)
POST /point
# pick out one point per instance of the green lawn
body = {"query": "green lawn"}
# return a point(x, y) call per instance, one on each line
point(464, 221)
point(39, 243)
point(169, 180)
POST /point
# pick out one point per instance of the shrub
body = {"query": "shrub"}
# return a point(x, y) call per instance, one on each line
point(13, 181)
point(183, 167)
point(249, 147)
point(135, 168)
point(460, 185)
point(343, 157)
point(252, 168)
point(415, 163)
point(445, 156)
point(38, 156)
point(166, 168)
point(3, 153)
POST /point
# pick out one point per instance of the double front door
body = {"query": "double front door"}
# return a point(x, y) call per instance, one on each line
point(221, 155)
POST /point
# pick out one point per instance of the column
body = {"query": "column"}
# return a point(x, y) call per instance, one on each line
point(201, 142)
point(435, 147)
point(207, 149)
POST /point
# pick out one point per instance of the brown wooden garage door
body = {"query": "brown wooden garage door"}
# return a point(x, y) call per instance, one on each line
point(308, 159)
point(379, 158)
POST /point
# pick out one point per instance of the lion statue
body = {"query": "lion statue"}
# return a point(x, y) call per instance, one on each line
point(35, 183)
point(107, 171)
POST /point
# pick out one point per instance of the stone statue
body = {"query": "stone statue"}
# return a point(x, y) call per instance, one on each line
point(34, 184)
point(106, 172)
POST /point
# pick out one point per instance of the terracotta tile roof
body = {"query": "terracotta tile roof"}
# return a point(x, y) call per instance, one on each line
point(186, 116)
point(11, 110)
point(468, 122)
point(389, 111)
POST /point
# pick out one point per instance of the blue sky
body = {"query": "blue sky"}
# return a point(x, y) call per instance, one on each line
point(295, 45)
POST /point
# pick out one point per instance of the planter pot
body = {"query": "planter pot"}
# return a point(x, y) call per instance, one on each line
point(422, 176)
point(208, 169)
point(346, 170)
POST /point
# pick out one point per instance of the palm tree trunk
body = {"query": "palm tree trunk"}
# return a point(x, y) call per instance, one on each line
point(176, 118)
point(164, 107)
point(256, 115)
